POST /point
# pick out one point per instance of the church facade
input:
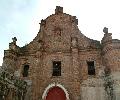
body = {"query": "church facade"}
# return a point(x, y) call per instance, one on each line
point(61, 63)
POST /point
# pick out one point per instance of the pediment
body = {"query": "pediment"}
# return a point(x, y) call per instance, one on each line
point(56, 32)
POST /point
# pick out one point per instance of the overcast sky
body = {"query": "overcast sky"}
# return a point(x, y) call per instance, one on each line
point(21, 18)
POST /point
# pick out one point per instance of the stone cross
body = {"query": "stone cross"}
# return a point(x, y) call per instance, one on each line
point(14, 40)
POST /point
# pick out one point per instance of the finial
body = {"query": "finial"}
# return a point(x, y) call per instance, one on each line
point(12, 45)
point(14, 39)
point(107, 36)
point(74, 19)
point(58, 10)
point(105, 30)
point(43, 22)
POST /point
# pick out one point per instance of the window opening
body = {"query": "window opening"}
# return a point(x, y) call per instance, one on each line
point(91, 67)
point(56, 68)
point(25, 70)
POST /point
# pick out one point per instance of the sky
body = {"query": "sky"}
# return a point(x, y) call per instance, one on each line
point(21, 18)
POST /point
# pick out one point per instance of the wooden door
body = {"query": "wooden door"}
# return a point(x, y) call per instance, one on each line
point(56, 93)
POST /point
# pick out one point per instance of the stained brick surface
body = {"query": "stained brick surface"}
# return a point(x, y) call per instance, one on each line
point(59, 39)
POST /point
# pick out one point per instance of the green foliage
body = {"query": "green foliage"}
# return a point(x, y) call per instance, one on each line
point(10, 82)
point(108, 84)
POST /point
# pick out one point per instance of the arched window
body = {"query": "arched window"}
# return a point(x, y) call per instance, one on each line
point(25, 70)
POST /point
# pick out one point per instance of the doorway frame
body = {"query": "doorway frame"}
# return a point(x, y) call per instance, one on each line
point(54, 85)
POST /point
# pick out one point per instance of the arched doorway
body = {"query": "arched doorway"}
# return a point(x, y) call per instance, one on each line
point(57, 90)
point(56, 93)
